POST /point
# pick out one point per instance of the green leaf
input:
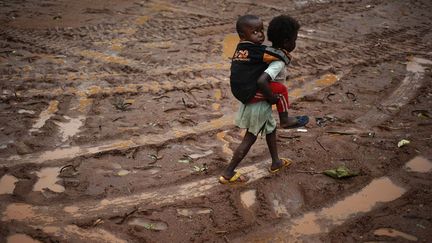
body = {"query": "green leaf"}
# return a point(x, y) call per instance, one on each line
point(340, 172)
point(149, 226)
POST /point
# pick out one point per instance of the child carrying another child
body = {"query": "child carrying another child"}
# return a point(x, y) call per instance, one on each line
point(251, 59)
point(250, 81)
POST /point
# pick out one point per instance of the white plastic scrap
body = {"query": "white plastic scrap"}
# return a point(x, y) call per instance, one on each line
point(403, 142)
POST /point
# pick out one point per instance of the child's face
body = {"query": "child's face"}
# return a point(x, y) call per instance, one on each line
point(290, 44)
point(253, 32)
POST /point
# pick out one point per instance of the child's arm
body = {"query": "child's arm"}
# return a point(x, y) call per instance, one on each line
point(263, 86)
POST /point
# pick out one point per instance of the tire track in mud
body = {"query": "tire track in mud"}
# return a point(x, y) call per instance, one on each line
point(403, 94)
point(315, 61)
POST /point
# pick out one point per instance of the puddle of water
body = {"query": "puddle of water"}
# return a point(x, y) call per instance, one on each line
point(148, 224)
point(248, 198)
point(18, 211)
point(419, 164)
point(225, 148)
point(71, 127)
point(414, 64)
point(394, 233)
point(229, 45)
point(311, 87)
point(7, 184)
point(189, 212)
point(378, 191)
point(21, 238)
point(327, 80)
point(48, 178)
point(45, 115)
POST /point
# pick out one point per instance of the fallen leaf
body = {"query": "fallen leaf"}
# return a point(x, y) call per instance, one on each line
point(339, 172)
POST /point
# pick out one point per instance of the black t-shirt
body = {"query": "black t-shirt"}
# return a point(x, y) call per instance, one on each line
point(248, 64)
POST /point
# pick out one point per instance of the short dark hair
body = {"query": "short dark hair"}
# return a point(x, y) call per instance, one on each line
point(242, 21)
point(282, 27)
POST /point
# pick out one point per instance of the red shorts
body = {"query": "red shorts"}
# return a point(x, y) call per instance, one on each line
point(277, 88)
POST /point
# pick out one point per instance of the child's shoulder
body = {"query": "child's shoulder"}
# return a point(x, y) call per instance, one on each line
point(280, 54)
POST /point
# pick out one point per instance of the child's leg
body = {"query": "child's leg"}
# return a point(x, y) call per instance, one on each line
point(272, 146)
point(241, 151)
point(282, 105)
point(276, 88)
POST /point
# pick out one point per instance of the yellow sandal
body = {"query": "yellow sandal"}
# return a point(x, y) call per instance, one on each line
point(235, 179)
point(286, 163)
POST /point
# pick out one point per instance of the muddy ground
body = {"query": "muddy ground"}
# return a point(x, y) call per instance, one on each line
point(117, 119)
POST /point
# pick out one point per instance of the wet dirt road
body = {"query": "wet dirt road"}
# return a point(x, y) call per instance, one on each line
point(117, 119)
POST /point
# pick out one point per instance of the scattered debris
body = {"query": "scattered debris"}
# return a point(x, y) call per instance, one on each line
point(121, 104)
point(187, 105)
point(147, 167)
point(421, 114)
point(310, 98)
point(118, 118)
point(403, 142)
point(322, 146)
point(132, 154)
point(205, 154)
point(337, 173)
point(322, 121)
point(154, 158)
point(353, 131)
point(186, 159)
point(126, 215)
point(301, 130)
point(340, 172)
point(68, 171)
point(312, 172)
point(123, 172)
point(160, 97)
point(330, 95)
point(351, 96)
point(97, 222)
point(200, 169)
point(149, 226)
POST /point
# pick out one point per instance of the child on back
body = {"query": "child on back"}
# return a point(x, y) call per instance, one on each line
point(250, 60)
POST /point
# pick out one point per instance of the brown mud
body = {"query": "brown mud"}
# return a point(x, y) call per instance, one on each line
point(117, 119)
